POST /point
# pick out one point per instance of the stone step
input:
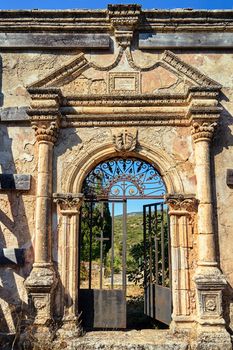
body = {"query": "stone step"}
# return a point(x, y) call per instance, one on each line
point(131, 340)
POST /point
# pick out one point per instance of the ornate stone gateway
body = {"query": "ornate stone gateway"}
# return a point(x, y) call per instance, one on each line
point(103, 271)
point(94, 102)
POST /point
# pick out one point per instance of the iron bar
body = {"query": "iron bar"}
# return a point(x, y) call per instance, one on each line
point(162, 246)
point(150, 246)
point(156, 248)
point(112, 250)
point(101, 246)
point(145, 261)
point(124, 238)
point(90, 251)
point(169, 249)
point(79, 246)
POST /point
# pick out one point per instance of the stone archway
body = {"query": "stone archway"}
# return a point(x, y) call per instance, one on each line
point(182, 212)
point(196, 109)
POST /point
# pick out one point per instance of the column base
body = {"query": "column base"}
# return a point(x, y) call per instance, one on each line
point(71, 329)
point(40, 286)
point(211, 331)
point(212, 339)
point(182, 324)
point(37, 337)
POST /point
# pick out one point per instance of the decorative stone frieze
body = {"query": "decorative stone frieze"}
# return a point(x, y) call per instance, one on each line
point(124, 19)
point(125, 140)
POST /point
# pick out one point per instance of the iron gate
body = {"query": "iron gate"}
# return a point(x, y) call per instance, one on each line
point(102, 293)
point(157, 285)
point(103, 305)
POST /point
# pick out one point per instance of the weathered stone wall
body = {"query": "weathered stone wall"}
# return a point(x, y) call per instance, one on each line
point(18, 150)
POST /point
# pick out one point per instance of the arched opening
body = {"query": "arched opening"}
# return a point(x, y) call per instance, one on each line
point(124, 268)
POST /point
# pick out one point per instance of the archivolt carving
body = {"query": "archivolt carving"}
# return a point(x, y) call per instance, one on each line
point(75, 174)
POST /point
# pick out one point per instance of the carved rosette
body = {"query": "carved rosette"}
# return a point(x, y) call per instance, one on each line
point(203, 130)
point(124, 19)
point(125, 140)
point(181, 203)
point(69, 204)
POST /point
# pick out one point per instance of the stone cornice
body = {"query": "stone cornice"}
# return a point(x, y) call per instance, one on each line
point(98, 20)
point(199, 103)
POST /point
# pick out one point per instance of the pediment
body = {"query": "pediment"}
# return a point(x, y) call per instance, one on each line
point(170, 74)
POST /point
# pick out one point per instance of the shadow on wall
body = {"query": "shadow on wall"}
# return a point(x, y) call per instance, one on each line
point(14, 232)
point(223, 139)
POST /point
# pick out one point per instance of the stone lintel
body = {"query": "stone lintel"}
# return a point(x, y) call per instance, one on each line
point(54, 40)
point(185, 40)
point(20, 182)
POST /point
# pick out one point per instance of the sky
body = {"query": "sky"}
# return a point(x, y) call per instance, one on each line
point(95, 4)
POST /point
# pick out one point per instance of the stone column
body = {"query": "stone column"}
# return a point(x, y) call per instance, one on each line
point(42, 280)
point(182, 212)
point(208, 278)
point(69, 208)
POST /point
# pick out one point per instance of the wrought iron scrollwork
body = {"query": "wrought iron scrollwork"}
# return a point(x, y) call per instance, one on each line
point(124, 178)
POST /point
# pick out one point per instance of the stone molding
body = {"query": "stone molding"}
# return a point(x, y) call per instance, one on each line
point(181, 20)
point(168, 60)
point(69, 203)
point(124, 19)
point(110, 66)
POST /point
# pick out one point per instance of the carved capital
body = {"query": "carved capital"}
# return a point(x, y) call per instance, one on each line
point(182, 203)
point(202, 130)
point(46, 130)
point(124, 19)
point(125, 140)
point(69, 204)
